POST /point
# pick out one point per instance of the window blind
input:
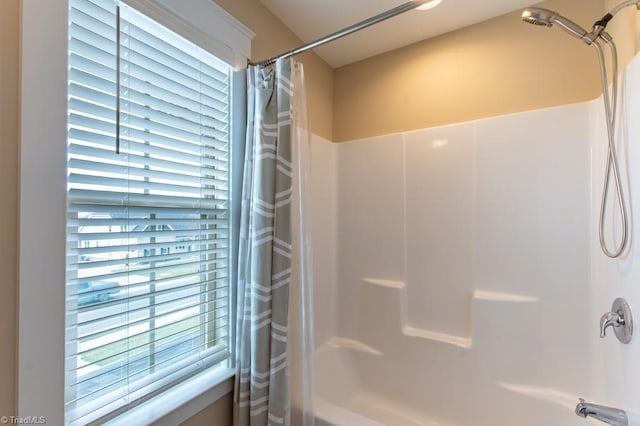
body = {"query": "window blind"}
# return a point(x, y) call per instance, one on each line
point(147, 288)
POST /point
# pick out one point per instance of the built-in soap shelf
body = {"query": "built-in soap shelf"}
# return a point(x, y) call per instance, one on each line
point(354, 345)
point(400, 290)
point(503, 297)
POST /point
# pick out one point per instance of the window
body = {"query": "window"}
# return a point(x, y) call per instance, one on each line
point(147, 288)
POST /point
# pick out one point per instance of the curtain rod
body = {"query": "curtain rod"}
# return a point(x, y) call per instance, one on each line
point(412, 4)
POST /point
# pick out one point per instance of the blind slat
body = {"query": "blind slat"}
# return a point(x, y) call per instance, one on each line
point(133, 262)
point(143, 284)
point(104, 157)
point(150, 139)
point(102, 21)
point(71, 296)
point(167, 340)
point(133, 147)
point(145, 128)
point(121, 235)
point(86, 252)
point(137, 83)
point(145, 224)
point(144, 211)
point(149, 187)
point(135, 51)
point(133, 324)
point(134, 199)
point(141, 271)
point(215, 129)
point(143, 93)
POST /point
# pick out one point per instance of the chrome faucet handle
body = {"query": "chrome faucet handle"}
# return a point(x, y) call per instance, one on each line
point(620, 318)
point(610, 319)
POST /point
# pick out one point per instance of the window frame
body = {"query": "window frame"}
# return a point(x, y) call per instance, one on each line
point(42, 206)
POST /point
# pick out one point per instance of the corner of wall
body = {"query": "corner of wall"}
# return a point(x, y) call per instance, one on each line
point(272, 38)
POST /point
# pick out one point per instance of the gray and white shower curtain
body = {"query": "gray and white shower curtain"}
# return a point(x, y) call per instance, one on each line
point(265, 250)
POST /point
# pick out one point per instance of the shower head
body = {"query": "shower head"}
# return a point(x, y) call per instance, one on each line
point(538, 16)
point(546, 17)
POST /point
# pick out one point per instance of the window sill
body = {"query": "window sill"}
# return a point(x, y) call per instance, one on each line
point(181, 402)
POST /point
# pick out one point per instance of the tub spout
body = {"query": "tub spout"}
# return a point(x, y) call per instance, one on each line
point(608, 415)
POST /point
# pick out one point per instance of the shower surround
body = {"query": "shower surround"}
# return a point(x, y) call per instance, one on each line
point(458, 274)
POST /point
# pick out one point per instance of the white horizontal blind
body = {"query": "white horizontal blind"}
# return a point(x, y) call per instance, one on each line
point(147, 229)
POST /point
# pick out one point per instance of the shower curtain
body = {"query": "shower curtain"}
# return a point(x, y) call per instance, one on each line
point(273, 320)
point(301, 346)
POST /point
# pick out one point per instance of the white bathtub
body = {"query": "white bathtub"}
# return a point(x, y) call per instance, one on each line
point(413, 377)
point(328, 414)
point(343, 400)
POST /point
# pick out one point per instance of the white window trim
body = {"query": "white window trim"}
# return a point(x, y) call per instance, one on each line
point(181, 402)
point(42, 227)
point(204, 23)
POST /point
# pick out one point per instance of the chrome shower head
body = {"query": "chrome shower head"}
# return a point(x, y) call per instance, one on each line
point(546, 17)
point(538, 16)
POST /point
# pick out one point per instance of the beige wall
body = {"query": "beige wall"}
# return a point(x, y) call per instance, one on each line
point(496, 67)
point(273, 38)
point(219, 413)
point(9, 42)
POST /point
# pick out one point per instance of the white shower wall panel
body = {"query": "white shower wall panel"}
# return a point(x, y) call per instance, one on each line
point(370, 207)
point(323, 196)
point(533, 188)
point(440, 205)
point(469, 281)
point(616, 367)
point(532, 226)
point(462, 267)
point(487, 205)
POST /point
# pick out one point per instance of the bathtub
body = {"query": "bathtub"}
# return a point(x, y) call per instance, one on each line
point(342, 399)
point(414, 377)
point(328, 414)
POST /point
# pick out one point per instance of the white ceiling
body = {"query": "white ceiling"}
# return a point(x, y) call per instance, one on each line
point(312, 19)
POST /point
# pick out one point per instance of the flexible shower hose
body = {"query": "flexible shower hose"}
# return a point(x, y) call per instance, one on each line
point(610, 107)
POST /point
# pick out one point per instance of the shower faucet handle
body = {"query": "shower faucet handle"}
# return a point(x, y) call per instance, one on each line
point(620, 318)
point(610, 319)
